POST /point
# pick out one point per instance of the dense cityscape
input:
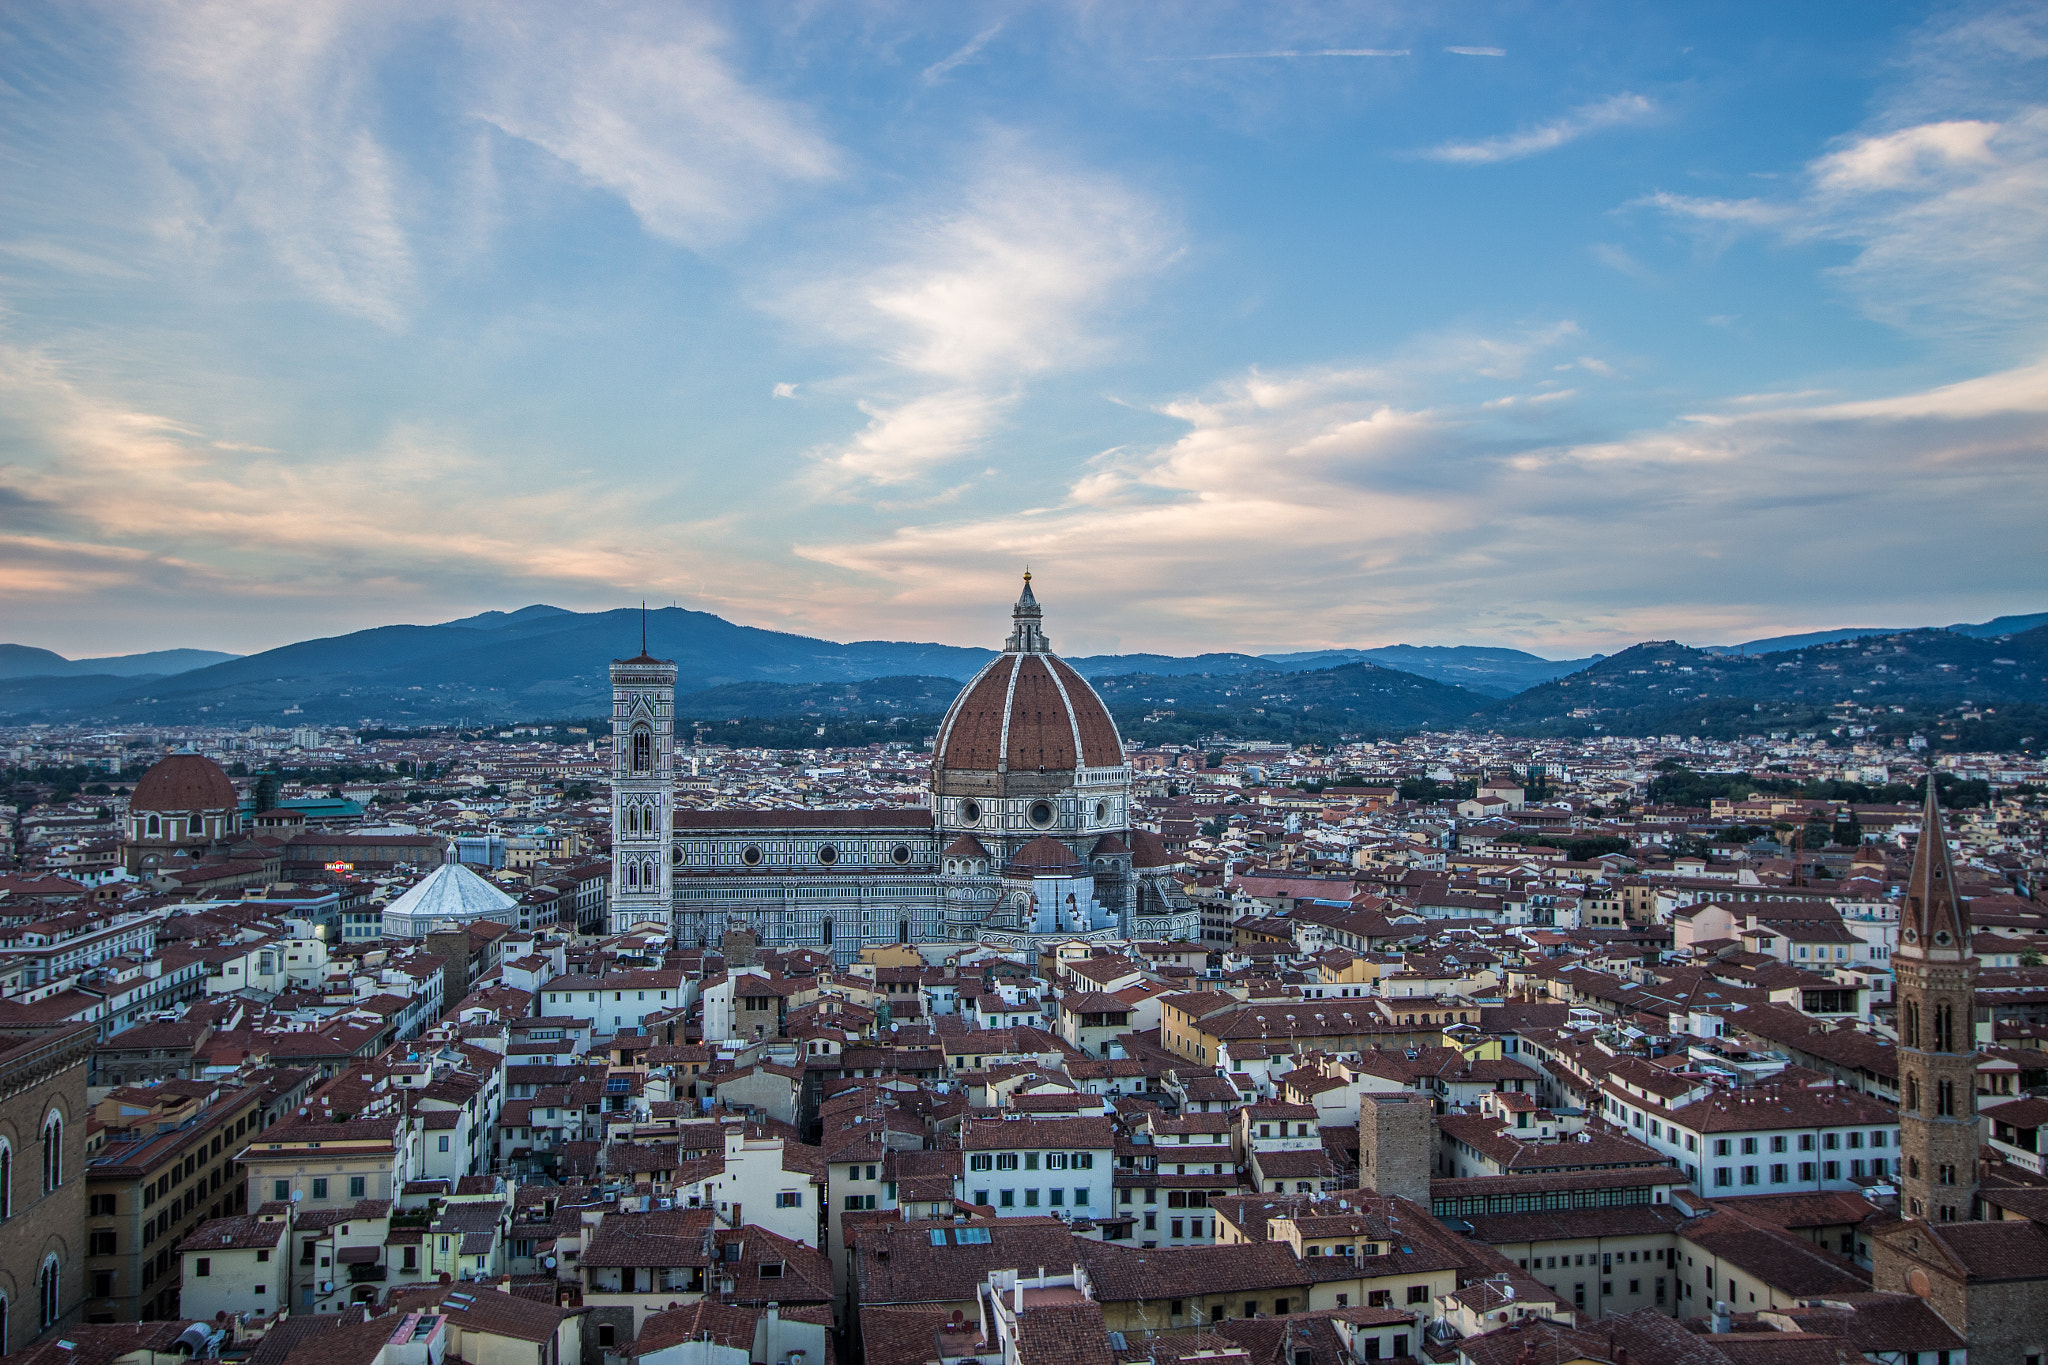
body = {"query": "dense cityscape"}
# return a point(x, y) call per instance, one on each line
point(1023, 682)
point(588, 1041)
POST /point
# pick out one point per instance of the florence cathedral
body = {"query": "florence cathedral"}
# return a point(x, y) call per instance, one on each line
point(1024, 835)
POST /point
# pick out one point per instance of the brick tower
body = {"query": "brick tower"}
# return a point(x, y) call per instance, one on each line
point(1935, 981)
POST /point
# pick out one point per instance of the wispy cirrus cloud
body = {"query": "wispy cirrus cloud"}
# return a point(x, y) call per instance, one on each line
point(260, 144)
point(1613, 112)
point(959, 56)
point(1942, 195)
point(1289, 52)
point(1949, 221)
point(269, 117)
point(1003, 281)
point(648, 107)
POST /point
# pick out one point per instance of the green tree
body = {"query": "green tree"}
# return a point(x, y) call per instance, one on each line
point(1428, 789)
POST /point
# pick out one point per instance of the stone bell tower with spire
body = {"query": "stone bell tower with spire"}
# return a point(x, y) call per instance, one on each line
point(643, 788)
point(1935, 986)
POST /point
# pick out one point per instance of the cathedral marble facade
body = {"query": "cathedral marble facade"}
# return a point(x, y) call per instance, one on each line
point(1025, 833)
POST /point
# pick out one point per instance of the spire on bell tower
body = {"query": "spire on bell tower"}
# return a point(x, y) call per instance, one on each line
point(1025, 635)
point(1935, 990)
point(1934, 916)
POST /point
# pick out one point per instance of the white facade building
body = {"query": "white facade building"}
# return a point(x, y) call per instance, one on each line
point(1774, 1138)
point(449, 895)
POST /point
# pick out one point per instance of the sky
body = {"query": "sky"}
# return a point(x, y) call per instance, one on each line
point(1246, 326)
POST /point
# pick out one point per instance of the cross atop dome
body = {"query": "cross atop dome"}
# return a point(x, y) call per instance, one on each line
point(1025, 635)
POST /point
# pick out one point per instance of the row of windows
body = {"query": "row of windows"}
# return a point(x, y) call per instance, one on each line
point(358, 1186)
point(1724, 1176)
point(1054, 1161)
point(196, 827)
point(640, 817)
point(1538, 1201)
point(1829, 1142)
point(1055, 1197)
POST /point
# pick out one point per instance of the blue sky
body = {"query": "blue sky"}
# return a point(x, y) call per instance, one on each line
point(1247, 326)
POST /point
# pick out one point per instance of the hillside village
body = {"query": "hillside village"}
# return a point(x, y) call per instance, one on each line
point(1480, 1050)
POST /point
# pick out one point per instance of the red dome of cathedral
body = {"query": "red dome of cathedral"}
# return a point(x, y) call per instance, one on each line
point(1027, 711)
point(184, 782)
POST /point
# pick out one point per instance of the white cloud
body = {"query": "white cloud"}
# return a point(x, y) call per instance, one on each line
point(1291, 52)
point(1368, 517)
point(1949, 221)
point(902, 442)
point(1943, 196)
point(1613, 112)
point(270, 111)
point(69, 258)
point(647, 107)
point(1007, 280)
point(1618, 259)
point(269, 132)
point(1478, 51)
point(109, 488)
point(1004, 282)
point(2022, 390)
point(961, 55)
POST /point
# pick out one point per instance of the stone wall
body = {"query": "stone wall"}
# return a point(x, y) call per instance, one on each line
point(38, 1076)
point(1396, 1136)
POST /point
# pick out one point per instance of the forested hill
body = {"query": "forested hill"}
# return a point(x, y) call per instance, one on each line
point(1662, 687)
point(1323, 704)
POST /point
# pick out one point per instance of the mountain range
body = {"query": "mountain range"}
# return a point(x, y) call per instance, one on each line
point(542, 662)
point(26, 661)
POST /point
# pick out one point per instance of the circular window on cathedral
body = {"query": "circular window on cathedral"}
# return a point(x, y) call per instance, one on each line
point(1102, 810)
point(1941, 937)
point(675, 855)
point(1041, 813)
point(751, 856)
point(970, 812)
point(1911, 936)
point(901, 854)
point(828, 855)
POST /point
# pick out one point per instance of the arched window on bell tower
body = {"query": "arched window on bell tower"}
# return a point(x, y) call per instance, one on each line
point(53, 1152)
point(643, 751)
point(51, 1300)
